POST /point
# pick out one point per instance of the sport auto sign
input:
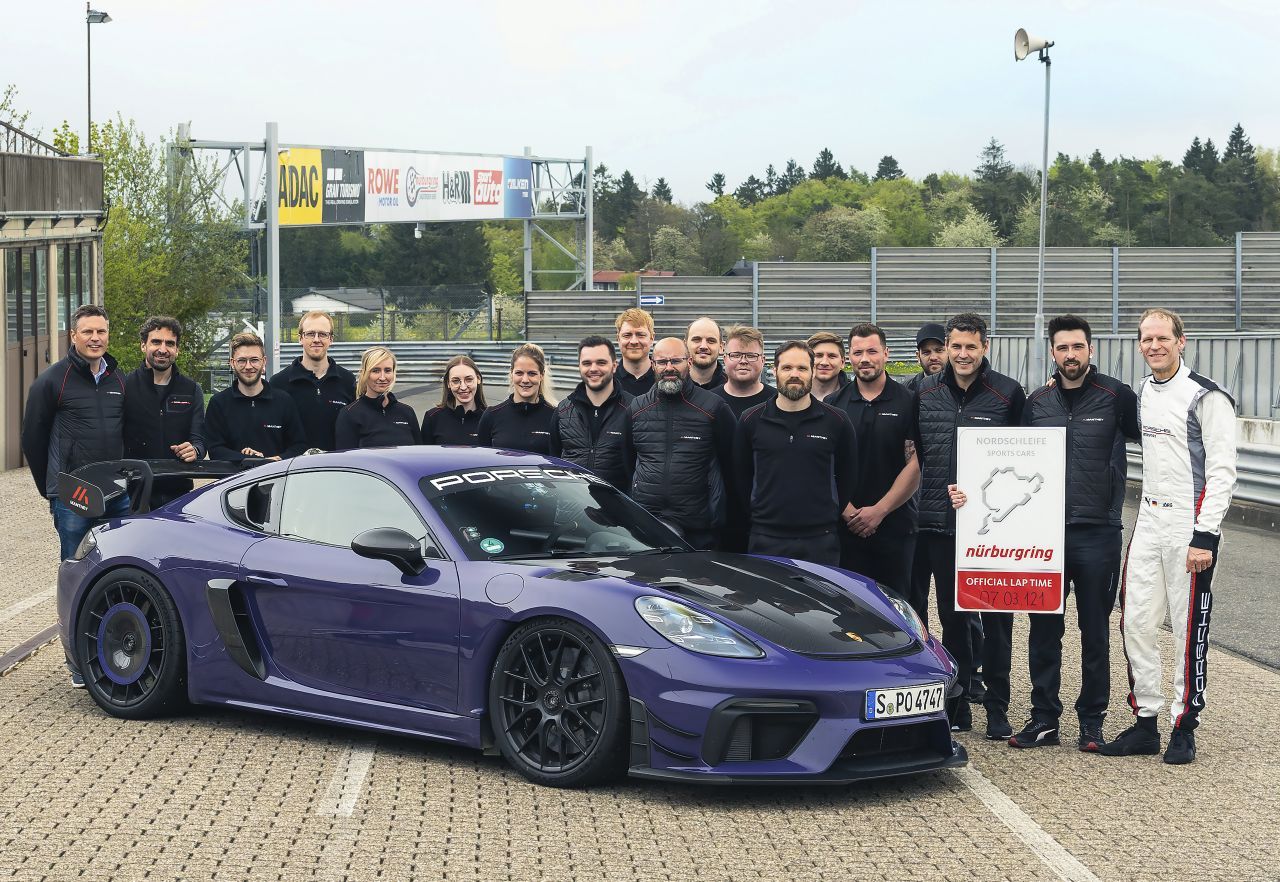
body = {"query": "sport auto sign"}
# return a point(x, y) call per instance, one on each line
point(1010, 534)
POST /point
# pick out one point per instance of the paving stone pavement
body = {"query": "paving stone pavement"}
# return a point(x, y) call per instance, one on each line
point(223, 795)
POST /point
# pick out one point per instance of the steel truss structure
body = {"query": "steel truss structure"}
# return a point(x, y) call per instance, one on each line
point(240, 174)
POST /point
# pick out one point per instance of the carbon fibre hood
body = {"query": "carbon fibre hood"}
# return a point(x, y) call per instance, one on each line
point(784, 604)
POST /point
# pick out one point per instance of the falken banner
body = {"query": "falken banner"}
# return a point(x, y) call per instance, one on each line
point(335, 186)
point(1010, 531)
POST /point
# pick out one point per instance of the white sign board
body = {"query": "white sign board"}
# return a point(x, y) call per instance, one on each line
point(1010, 532)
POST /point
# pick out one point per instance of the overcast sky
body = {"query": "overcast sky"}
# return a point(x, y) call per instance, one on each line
point(674, 89)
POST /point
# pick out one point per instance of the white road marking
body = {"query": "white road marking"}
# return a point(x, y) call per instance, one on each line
point(348, 779)
point(16, 609)
point(1063, 863)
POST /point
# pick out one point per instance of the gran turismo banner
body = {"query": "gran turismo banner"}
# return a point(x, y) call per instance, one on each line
point(1010, 534)
point(326, 186)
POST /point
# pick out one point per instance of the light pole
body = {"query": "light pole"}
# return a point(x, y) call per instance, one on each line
point(91, 18)
point(1023, 45)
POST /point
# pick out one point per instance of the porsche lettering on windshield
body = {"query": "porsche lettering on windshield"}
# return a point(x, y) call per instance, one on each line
point(443, 483)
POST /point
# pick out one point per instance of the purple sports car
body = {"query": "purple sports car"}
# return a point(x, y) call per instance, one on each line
point(504, 601)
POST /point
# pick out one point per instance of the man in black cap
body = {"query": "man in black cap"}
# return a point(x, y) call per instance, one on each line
point(931, 352)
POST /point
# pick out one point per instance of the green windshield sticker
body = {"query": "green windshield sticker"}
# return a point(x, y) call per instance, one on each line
point(491, 546)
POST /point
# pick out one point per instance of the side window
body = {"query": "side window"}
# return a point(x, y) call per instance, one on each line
point(334, 507)
point(256, 506)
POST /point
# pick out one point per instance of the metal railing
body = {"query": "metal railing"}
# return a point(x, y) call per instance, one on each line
point(15, 140)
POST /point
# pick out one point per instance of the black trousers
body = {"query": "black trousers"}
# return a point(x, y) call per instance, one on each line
point(996, 643)
point(823, 548)
point(1092, 569)
point(885, 557)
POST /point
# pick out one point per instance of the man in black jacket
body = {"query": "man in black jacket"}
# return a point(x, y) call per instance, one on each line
point(796, 463)
point(1098, 412)
point(163, 409)
point(881, 536)
point(319, 386)
point(74, 417)
point(705, 343)
point(590, 426)
point(250, 419)
point(966, 392)
point(680, 447)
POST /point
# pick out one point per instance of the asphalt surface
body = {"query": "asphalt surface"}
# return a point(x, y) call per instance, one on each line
point(220, 794)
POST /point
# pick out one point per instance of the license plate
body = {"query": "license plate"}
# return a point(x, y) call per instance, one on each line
point(907, 701)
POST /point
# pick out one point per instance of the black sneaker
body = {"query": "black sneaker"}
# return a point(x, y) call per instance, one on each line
point(1134, 741)
point(77, 682)
point(1182, 747)
point(1036, 734)
point(998, 728)
point(960, 715)
point(1091, 738)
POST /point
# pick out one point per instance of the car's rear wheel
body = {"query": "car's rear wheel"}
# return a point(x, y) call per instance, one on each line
point(130, 648)
point(557, 702)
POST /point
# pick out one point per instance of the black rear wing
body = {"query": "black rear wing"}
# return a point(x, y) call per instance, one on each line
point(90, 489)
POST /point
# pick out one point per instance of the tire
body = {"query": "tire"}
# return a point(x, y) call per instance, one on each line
point(130, 647)
point(558, 705)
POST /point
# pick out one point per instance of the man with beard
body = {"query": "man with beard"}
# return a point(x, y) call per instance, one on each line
point(680, 448)
point(590, 426)
point(880, 537)
point(931, 352)
point(966, 392)
point(163, 409)
point(703, 340)
point(828, 365)
point(319, 386)
point(1098, 412)
point(635, 335)
point(249, 418)
point(744, 355)
point(795, 460)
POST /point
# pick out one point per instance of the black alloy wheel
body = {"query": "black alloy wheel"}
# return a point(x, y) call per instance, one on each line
point(556, 704)
point(130, 647)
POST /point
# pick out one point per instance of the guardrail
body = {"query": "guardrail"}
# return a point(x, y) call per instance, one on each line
point(1257, 473)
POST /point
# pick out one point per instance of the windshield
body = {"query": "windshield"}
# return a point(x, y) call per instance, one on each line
point(574, 515)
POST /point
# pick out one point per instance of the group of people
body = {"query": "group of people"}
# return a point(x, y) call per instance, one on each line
point(843, 468)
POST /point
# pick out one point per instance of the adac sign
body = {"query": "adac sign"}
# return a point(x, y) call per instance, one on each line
point(300, 186)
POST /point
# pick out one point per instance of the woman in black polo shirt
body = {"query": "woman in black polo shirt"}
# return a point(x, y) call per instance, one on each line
point(523, 420)
point(456, 419)
point(376, 418)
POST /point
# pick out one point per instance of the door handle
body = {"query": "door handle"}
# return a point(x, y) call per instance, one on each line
point(264, 579)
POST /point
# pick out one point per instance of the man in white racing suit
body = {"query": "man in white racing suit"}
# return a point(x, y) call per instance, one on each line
point(1188, 475)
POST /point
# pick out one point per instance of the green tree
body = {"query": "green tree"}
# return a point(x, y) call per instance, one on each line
point(974, 230)
point(9, 112)
point(612, 254)
point(662, 191)
point(888, 170)
point(825, 166)
point(673, 250)
point(792, 176)
point(1077, 217)
point(170, 247)
point(751, 191)
point(999, 190)
point(716, 184)
point(842, 234)
point(505, 243)
point(899, 199)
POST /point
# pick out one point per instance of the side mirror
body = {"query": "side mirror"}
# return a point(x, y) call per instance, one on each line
point(394, 545)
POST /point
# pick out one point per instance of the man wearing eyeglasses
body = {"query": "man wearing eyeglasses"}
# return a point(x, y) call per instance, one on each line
point(744, 362)
point(318, 385)
point(680, 448)
point(250, 419)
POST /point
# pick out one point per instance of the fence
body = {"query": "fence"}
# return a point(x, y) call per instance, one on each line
point(1232, 288)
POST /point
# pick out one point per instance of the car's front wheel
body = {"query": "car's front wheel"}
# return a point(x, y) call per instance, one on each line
point(130, 648)
point(557, 703)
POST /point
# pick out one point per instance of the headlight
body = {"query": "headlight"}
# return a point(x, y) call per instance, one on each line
point(917, 628)
point(694, 630)
point(87, 544)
